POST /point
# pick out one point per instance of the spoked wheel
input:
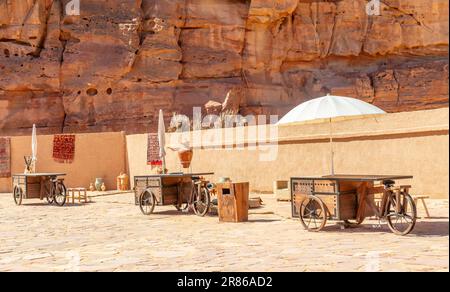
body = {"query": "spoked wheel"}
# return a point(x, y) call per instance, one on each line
point(402, 214)
point(313, 214)
point(147, 203)
point(202, 200)
point(18, 195)
point(60, 194)
point(48, 192)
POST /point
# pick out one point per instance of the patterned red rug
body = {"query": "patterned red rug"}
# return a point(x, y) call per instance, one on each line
point(64, 148)
point(153, 158)
point(5, 157)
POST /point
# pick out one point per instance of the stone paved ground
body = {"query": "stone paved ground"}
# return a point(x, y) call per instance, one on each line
point(110, 234)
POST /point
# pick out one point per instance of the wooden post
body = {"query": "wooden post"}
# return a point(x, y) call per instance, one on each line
point(42, 189)
point(362, 195)
point(164, 165)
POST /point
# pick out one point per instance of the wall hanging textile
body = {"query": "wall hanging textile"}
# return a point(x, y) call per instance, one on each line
point(5, 157)
point(153, 158)
point(64, 148)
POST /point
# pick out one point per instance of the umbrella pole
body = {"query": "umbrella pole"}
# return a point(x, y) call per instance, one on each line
point(331, 147)
point(164, 165)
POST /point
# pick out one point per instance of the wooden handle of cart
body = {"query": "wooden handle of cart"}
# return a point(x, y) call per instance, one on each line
point(363, 192)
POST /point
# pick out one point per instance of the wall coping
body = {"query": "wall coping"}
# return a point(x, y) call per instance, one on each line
point(388, 123)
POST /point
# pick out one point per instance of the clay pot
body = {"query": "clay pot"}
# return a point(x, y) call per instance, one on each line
point(103, 187)
point(186, 158)
point(123, 182)
point(98, 184)
point(161, 171)
point(119, 182)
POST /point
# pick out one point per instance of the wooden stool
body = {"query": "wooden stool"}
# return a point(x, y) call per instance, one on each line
point(422, 198)
point(82, 194)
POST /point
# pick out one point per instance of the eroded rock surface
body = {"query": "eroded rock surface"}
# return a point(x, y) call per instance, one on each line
point(116, 64)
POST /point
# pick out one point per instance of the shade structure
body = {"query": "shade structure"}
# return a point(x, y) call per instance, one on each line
point(330, 107)
point(162, 139)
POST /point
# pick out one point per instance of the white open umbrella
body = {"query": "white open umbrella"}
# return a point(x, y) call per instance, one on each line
point(329, 107)
point(162, 139)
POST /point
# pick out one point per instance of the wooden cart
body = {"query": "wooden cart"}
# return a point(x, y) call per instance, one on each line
point(39, 186)
point(179, 190)
point(351, 199)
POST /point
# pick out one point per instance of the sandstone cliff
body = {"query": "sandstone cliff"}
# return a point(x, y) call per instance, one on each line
point(117, 63)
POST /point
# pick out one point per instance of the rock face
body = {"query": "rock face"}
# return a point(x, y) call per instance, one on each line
point(116, 64)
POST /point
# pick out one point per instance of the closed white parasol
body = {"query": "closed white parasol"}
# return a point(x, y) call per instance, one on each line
point(34, 144)
point(162, 139)
point(31, 161)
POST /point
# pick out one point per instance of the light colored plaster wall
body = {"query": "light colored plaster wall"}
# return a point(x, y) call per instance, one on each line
point(96, 155)
point(414, 143)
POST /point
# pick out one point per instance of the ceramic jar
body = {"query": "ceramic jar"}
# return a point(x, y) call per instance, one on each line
point(98, 184)
point(186, 158)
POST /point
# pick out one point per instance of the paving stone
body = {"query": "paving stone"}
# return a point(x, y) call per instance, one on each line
point(110, 234)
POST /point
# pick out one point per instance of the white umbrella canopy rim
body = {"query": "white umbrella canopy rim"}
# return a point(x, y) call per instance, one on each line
point(329, 107)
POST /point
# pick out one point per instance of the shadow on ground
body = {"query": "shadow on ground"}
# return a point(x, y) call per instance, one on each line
point(54, 206)
point(422, 229)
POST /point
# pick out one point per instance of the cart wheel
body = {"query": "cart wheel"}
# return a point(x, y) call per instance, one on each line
point(313, 215)
point(60, 194)
point(201, 202)
point(403, 222)
point(147, 203)
point(18, 195)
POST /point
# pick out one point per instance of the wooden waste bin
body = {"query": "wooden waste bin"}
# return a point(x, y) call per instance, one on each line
point(233, 202)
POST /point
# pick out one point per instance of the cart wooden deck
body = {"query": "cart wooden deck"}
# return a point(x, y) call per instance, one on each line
point(39, 186)
point(345, 197)
point(32, 184)
point(167, 188)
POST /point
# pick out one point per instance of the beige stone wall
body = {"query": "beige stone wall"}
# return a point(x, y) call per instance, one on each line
point(96, 155)
point(414, 143)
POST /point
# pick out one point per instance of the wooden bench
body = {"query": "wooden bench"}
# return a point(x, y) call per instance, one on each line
point(77, 193)
point(416, 202)
point(281, 190)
